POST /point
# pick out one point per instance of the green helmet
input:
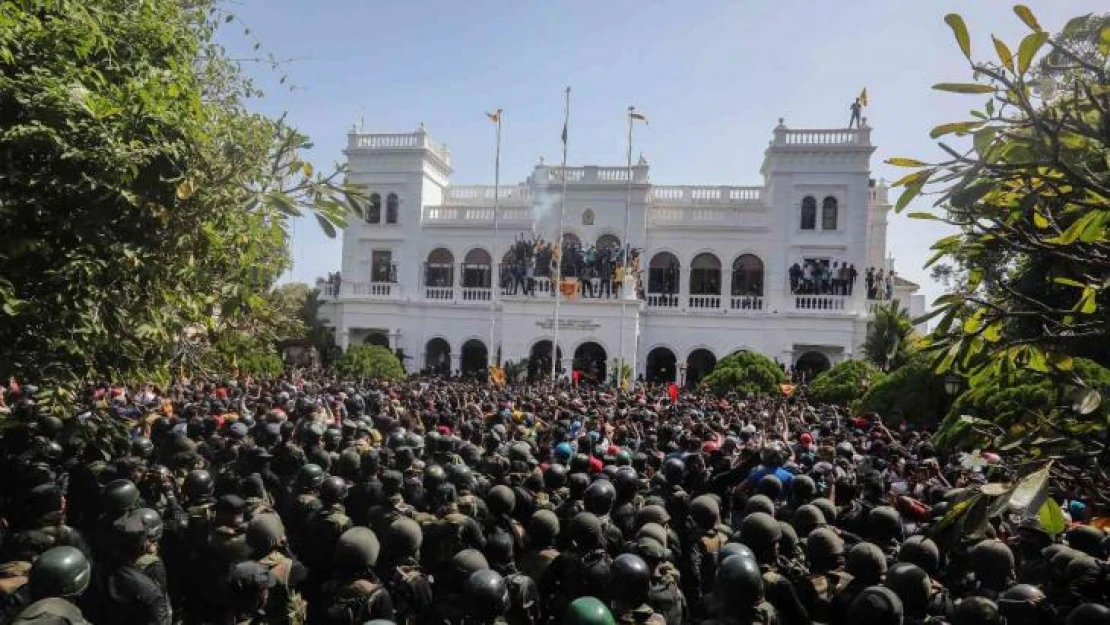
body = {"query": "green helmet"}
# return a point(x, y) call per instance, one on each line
point(265, 533)
point(501, 500)
point(310, 477)
point(487, 594)
point(824, 548)
point(739, 584)
point(59, 572)
point(357, 549)
point(404, 537)
point(587, 611)
point(706, 511)
point(761, 532)
point(120, 496)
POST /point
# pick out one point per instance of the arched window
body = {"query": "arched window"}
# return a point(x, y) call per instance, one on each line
point(374, 211)
point(571, 240)
point(588, 217)
point(440, 268)
point(747, 276)
point(809, 213)
point(476, 269)
point(663, 273)
point(608, 242)
point(828, 213)
point(705, 275)
point(391, 206)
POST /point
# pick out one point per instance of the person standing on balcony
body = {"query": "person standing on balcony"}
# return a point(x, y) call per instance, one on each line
point(530, 276)
point(795, 277)
point(869, 280)
point(834, 278)
point(880, 284)
point(857, 112)
point(890, 285)
point(807, 277)
point(852, 275)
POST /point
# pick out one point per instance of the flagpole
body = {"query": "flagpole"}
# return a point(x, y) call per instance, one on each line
point(559, 240)
point(495, 295)
point(627, 249)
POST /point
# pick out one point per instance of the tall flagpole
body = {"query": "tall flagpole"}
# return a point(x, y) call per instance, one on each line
point(493, 356)
point(627, 249)
point(559, 241)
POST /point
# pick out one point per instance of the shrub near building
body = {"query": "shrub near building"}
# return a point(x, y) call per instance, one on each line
point(370, 361)
point(845, 383)
point(746, 373)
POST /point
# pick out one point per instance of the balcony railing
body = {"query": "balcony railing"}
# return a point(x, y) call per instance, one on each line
point(752, 303)
point(662, 300)
point(820, 137)
point(377, 290)
point(667, 195)
point(817, 303)
point(448, 215)
point(395, 141)
point(439, 293)
point(702, 302)
point(477, 294)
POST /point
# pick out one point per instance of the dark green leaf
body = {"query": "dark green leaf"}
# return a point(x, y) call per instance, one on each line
point(1028, 49)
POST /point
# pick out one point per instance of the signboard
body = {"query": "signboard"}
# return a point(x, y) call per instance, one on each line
point(569, 324)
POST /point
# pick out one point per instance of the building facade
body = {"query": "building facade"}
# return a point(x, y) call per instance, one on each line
point(453, 278)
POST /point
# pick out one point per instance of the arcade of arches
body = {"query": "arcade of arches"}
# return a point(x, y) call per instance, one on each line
point(474, 358)
point(699, 364)
point(810, 364)
point(437, 356)
point(589, 361)
point(705, 275)
point(539, 360)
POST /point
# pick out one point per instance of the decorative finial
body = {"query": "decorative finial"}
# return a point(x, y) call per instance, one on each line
point(782, 121)
point(643, 161)
point(541, 161)
point(421, 128)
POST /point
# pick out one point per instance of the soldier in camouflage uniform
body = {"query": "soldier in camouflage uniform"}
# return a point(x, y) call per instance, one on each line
point(739, 588)
point(631, 583)
point(399, 563)
point(56, 580)
point(355, 594)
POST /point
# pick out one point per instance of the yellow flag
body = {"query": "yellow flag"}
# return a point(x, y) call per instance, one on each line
point(863, 97)
point(494, 116)
point(638, 116)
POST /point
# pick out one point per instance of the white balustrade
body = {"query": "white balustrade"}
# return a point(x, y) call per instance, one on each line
point(476, 294)
point(439, 293)
point(375, 289)
point(486, 192)
point(662, 300)
point(464, 215)
point(744, 303)
point(819, 303)
point(706, 195)
point(835, 136)
point(418, 139)
point(702, 302)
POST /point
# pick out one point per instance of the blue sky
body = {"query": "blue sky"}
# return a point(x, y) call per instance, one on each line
point(713, 76)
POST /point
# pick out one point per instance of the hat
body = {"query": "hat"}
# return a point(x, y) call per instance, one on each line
point(237, 430)
point(250, 575)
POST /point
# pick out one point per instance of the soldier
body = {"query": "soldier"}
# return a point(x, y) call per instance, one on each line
point(699, 564)
point(664, 596)
point(450, 592)
point(866, 563)
point(913, 587)
point(57, 577)
point(739, 588)
point(825, 553)
point(540, 539)
point(524, 597)
point(876, 605)
point(582, 568)
point(993, 565)
point(501, 501)
point(328, 523)
point(761, 532)
point(631, 579)
point(627, 484)
point(248, 586)
point(488, 598)
point(269, 547)
point(305, 502)
point(408, 585)
point(355, 594)
point(884, 528)
point(598, 500)
point(132, 596)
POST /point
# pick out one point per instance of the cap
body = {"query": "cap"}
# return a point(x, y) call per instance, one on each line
point(250, 575)
point(231, 503)
point(237, 430)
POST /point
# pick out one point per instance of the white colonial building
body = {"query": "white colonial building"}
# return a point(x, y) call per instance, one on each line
point(419, 275)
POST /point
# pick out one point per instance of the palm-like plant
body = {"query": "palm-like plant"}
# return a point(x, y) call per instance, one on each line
point(887, 345)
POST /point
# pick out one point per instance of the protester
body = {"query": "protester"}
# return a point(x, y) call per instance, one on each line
point(310, 499)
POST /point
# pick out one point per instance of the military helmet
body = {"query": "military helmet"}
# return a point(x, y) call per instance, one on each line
point(487, 594)
point(357, 549)
point(579, 463)
point(142, 447)
point(1087, 539)
point(464, 564)
point(554, 476)
point(922, 551)
point(587, 611)
point(912, 585)
point(120, 496)
point(198, 484)
point(652, 513)
point(599, 497)
point(824, 548)
point(627, 482)
point(706, 511)
point(265, 533)
point(802, 488)
point(404, 538)
point(760, 531)
point(59, 572)
point(827, 508)
point(310, 477)
point(884, 523)
point(975, 611)
point(631, 579)
point(1023, 604)
point(759, 503)
point(1089, 614)
point(991, 560)
point(808, 518)
point(585, 530)
point(736, 549)
point(875, 605)
point(501, 500)
point(866, 562)
point(739, 584)
point(654, 531)
point(770, 486)
point(674, 470)
point(333, 490)
point(543, 527)
point(434, 475)
point(152, 521)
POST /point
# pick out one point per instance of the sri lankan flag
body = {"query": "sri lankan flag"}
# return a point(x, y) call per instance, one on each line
point(497, 375)
point(863, 97)
point(495, 116)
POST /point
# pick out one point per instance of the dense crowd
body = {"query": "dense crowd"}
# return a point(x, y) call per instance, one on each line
point(431, 501)
point(598, 269)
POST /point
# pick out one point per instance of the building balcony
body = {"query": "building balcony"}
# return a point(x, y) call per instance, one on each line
point(707, 302)
point(360, 290)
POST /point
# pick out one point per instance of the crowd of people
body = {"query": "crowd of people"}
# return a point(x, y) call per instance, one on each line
point(598, 269)
point(430, 501)
point(813, 277)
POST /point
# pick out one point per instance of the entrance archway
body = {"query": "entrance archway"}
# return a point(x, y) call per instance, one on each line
point(437, 356)
point(539, 361)
point(661, 365)
point(698, 365)
point(474, 358)
point(809, 365)
point(377, 338)
point(589, 361)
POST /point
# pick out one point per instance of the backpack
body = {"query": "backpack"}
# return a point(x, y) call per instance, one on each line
point(294, 610)
point(447, 540)
point(348, 606)
point(524, 604)
point(412, 595)
point(13, 589)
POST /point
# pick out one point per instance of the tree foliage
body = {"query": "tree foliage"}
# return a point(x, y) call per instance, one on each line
point(888, 344)
point(370, 361)
point(1029, 413)
point(913, 393)
point(746, 373)
point(1028, 188)
point(141, 200)
point(844, 383)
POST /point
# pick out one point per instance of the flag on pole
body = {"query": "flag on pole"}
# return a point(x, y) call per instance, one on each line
point(863, 97)
point(564, 135)
point(494, 116)
point(638, 116)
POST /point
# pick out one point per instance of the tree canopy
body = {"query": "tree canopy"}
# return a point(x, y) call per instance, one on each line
point(745, 373)
point(142, 200)
point(887, 345)
point(844, 383)
point(370, 361)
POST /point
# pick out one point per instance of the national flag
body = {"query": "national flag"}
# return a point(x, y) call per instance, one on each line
point(672, 392)
point(638, 116)
point(494, 116)
point(564, 135)
point(863, 97)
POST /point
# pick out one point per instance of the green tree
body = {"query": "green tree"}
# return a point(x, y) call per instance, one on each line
point(888, 344)
point(844, 383)
point(370, 361)
point(1029, 413)
point(746, 373)
point(142, 203)
point(912, 393)
point(1028, 189)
